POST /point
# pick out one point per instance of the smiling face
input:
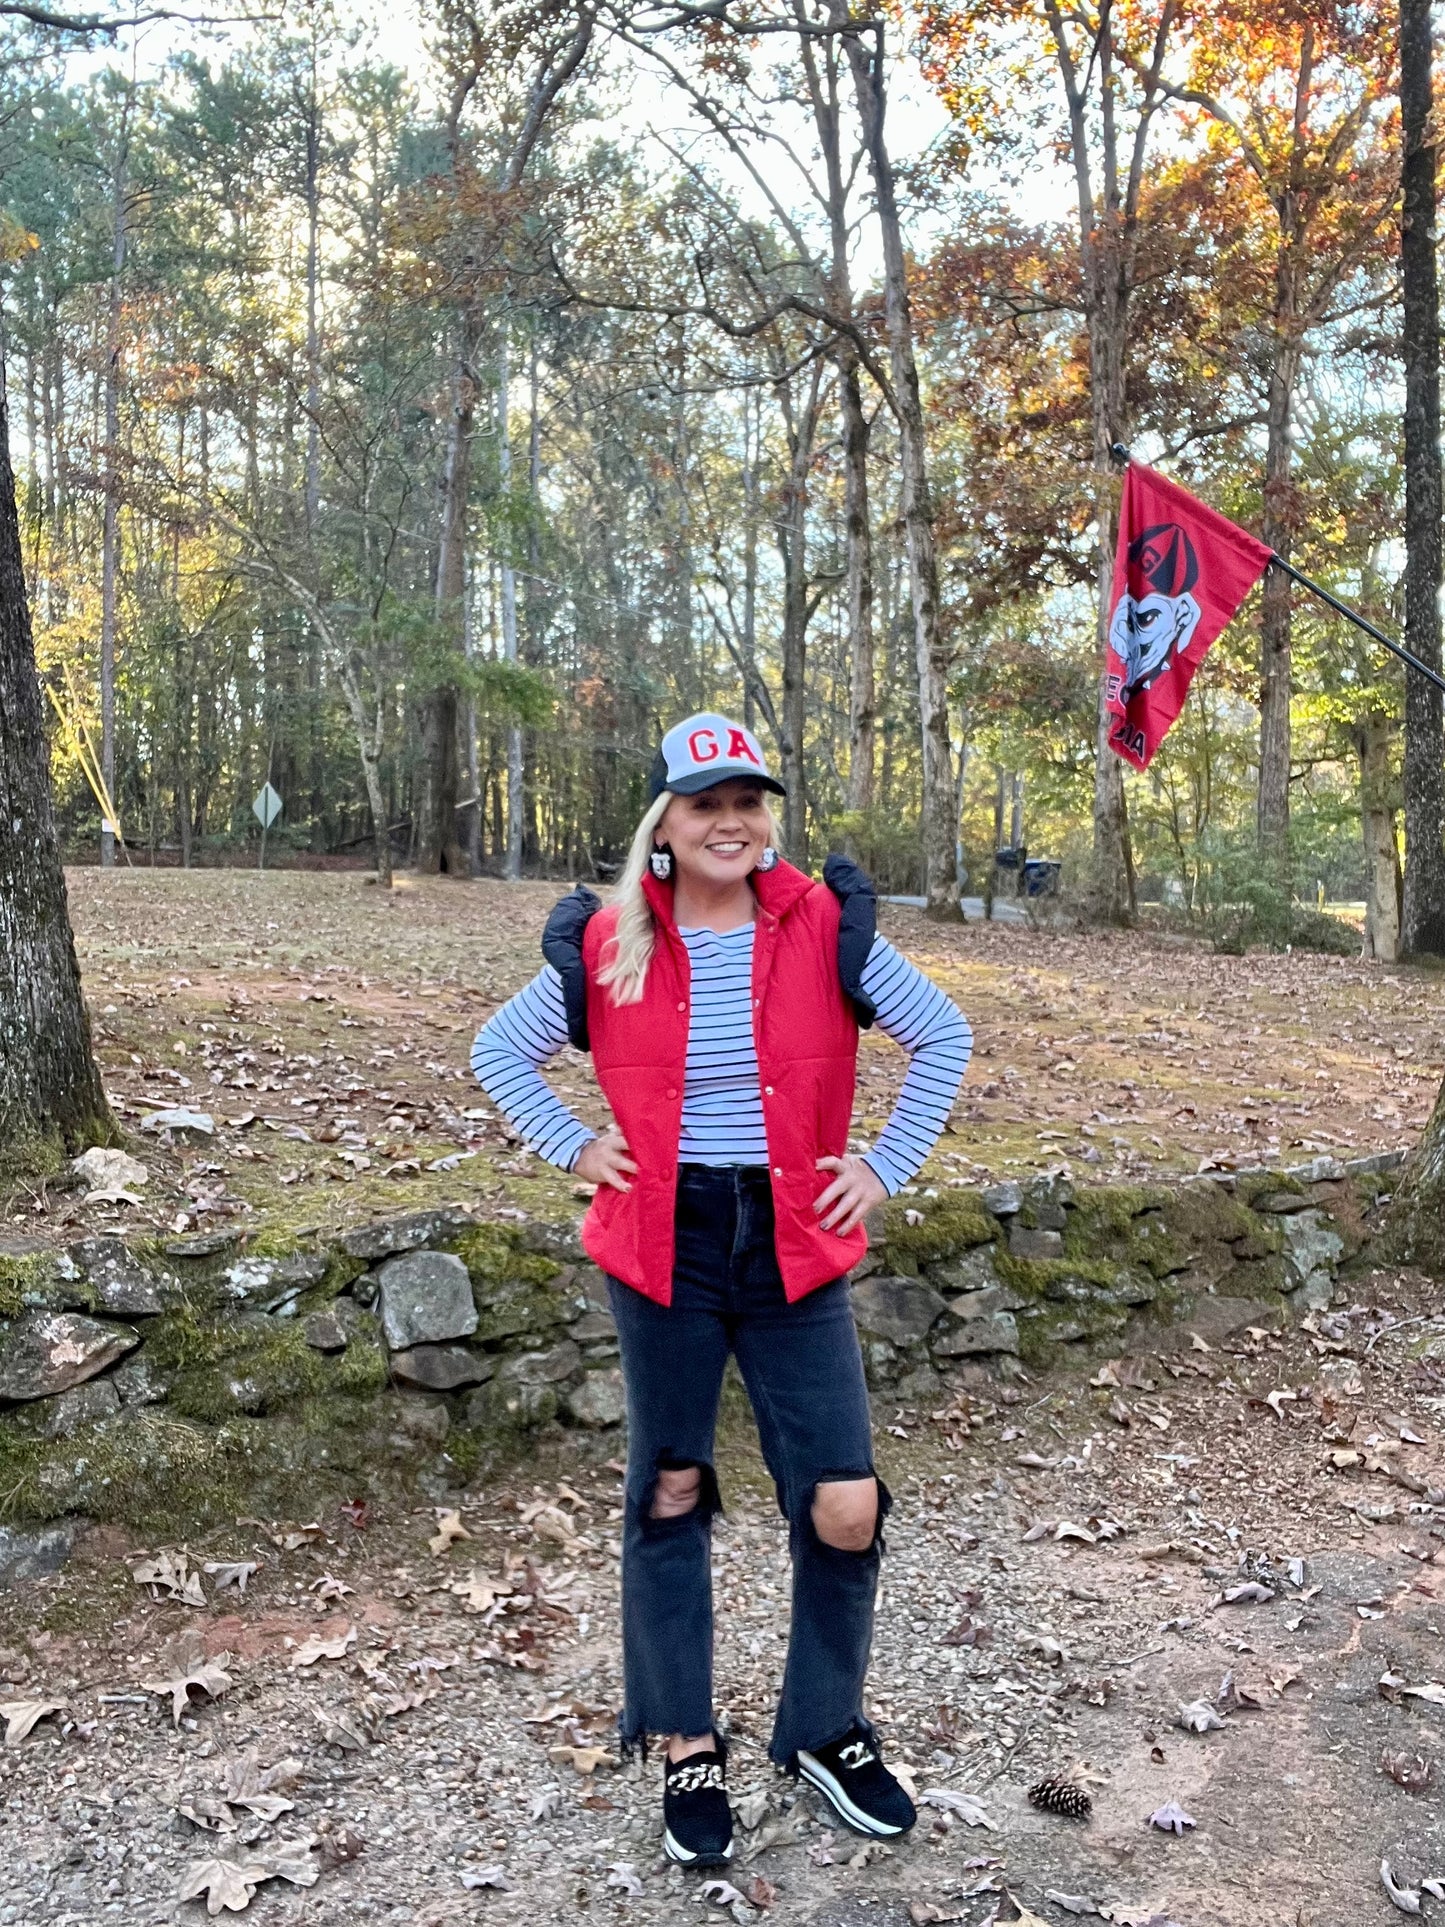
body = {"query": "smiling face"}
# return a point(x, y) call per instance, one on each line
point(718, 835)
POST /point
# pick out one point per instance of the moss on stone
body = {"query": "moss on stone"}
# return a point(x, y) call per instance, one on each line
point(361, 1370)
point(494, 1256)
point(23, 1280)
point(1259, 1278)
point(948, 1226)
point(468, 1449)
point(514, 1290)
point(1111, 1209)
point(1052, 1278)
point(1044, 1328)
point(147, 1468)
point(273, 1241)
point(1250, 1185)
point(1208, 1214)
point(218, 1367)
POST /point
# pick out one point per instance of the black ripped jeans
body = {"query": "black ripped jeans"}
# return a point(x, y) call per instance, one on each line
point(804, 1374)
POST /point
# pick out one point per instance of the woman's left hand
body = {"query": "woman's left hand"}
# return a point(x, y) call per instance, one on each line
point(851, 1196)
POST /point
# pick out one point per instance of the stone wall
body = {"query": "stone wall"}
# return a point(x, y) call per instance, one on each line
point(1024, 1271)
point(199, 1377)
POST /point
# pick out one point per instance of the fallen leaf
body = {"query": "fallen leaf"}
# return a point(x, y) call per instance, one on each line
point(546, 1804)
point(1415, 1775)
point(343, 1730)
point(966, 1806)
point(208, 1676)
point(449, 1530)
point(479, 1594)
point(1431, 1692)
point(237, 1573)
point(1071, 1903)
point(21, 1715)
point(339, 1848)
point(583, 1759)
point(1066, 1529)
point(171, 1574)
point(1170, 1818)
point(227, 1884)
point(752, 1808)
point(329, 1590)
point(622, 1875)
point(493, 1876)
point(1407, 1899)
point(760, 1893)
point(232, 1883)
point(1200, 1717)
point(722, 1892)
point(1276, 1400)
point(1251, 1593)
point(318, 1646)
point(1020, 1917)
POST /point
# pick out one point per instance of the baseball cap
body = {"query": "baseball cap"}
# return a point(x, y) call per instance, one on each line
point(706, 749)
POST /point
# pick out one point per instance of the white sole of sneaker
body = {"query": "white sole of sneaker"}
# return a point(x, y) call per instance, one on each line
point(676, 1851)
point(818, 1775)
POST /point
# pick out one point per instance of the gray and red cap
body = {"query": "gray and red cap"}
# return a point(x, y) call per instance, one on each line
point(706, 749)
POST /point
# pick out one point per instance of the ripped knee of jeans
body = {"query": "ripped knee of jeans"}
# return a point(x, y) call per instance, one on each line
point(679, 1489)
point(846, 1511)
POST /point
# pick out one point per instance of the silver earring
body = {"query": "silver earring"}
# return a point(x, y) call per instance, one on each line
point(661, 861)
point(769, 859)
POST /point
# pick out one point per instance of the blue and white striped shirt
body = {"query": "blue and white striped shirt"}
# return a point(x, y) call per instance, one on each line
point(722, 1107)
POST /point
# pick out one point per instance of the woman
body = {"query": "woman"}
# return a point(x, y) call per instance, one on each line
point(721, 996)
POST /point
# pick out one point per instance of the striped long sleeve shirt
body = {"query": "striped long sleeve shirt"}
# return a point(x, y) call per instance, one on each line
point(722, 1109)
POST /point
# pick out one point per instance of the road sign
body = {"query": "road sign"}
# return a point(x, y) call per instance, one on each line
point(267, 807)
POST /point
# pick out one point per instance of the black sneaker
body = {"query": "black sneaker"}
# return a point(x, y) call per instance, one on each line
point(859, 1786)
point(697, 1820)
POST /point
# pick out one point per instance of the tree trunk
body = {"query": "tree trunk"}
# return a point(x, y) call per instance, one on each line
point(823, 79)
point(50, 1089)
point(917, 503)
point(509, 617)
point(858, 538)
point(793, 546)
point(1377, 824)
point(1110, 891)
point(313, 271)
point(437, 845)
point(752, 456)
point(1414, 1231)
point(1274, 631)
point(1424, 915)
point(111, 485)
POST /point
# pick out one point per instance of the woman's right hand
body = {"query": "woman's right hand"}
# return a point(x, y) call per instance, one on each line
point(604, 1161)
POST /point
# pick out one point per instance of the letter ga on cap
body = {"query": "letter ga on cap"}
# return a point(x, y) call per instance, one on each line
point(707, 749)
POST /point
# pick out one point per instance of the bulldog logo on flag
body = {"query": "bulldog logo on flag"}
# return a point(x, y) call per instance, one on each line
point(1180, 572)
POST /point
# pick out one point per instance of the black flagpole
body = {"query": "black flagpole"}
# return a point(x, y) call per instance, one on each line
point(1352, 615)
point(1121, 454)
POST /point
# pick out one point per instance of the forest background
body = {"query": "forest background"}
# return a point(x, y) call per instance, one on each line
point(424, 437)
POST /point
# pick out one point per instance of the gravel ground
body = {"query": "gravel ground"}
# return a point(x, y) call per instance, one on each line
point(1057, 1555)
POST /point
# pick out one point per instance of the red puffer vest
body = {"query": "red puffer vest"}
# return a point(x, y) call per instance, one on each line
point(805, 1030)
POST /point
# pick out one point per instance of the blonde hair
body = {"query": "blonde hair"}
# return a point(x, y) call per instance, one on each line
point(628, 951)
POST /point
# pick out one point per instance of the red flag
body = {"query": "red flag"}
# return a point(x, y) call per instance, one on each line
point(1181, 571)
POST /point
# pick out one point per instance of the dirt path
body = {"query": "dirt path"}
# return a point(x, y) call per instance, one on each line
point(442, 1745)
point(325, 1025)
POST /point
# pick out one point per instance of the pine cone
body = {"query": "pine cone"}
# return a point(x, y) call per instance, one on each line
point(1063, 1797)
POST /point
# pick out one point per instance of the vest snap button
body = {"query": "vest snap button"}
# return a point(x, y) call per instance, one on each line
point(767, 1090)
point(681, 1005)
point(671, 1091)
point(777, 1170)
